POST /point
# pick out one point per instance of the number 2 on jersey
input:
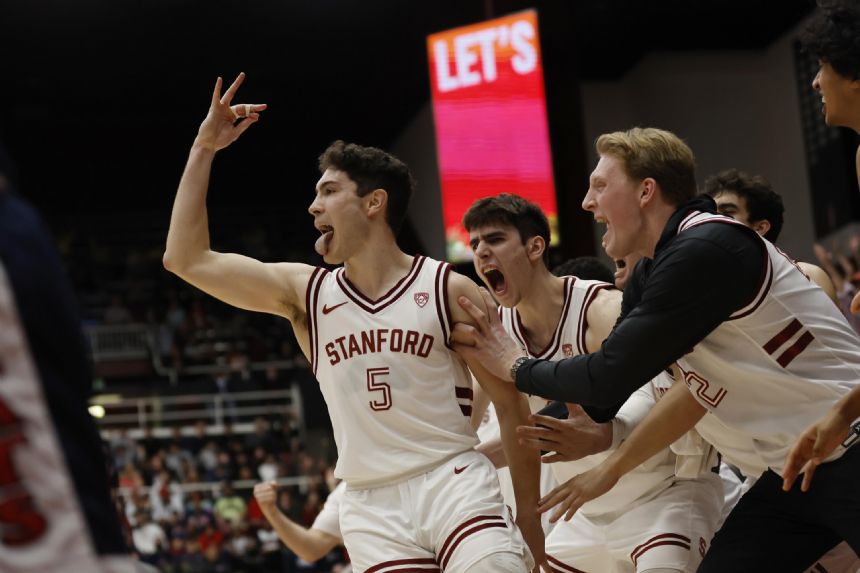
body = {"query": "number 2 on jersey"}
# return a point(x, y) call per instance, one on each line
point(375, 385)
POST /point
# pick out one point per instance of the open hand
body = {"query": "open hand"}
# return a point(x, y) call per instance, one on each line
point(220, 128)
point(577, 491)
point(571, 439)
point(813, 447)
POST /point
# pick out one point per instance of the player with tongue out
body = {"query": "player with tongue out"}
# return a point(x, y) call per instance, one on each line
point(418, 494)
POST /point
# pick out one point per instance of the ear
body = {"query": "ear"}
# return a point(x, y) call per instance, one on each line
point(375, 202)
point(648, 191)
point(761, 227)
point(535, 248)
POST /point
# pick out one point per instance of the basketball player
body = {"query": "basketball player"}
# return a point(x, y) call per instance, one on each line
point(376, 332)
point(56, 512)
point(751, 200)
point(832, 37)
point(759, 347)
point(650, 522)
point(313, 543)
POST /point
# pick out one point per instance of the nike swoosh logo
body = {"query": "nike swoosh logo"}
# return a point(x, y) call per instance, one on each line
point(328, 309)
point(460, 470)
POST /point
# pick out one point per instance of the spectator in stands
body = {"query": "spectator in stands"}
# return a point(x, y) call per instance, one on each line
point(149, 539)
point(129, 477)
point(230, 507)
point(210, 536)
point(261, 436)
point(116, 312)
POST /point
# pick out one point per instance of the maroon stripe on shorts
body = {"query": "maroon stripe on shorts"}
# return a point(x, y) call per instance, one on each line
point(423, 561)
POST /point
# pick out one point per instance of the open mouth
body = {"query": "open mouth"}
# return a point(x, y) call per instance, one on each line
point(322, 244)
point(496, 280)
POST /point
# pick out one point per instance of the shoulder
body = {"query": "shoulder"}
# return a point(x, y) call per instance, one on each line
point(819, 277)
point(462, 286)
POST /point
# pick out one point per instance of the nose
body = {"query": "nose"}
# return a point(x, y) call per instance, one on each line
point(588, 202)
point(315, 208)
point(482, 251)
point(816, 81)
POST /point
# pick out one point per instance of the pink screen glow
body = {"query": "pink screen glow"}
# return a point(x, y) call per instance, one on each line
point(490, 112)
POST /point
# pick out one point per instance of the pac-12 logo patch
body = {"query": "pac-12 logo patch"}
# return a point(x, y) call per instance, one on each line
point(421, 298)
point(567, 349)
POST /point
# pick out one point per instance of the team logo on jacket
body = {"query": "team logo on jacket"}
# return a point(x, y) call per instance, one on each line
point(567, 349)
point(421, 298)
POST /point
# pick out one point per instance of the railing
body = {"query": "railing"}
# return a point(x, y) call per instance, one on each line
point(138, 342)
point(159, 414)
point(301, 481)
point(119, 342)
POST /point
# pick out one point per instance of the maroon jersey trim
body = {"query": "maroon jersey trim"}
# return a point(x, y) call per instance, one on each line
point(582, 323)
point(311, 300)
point(374, 306)
point(555, 341)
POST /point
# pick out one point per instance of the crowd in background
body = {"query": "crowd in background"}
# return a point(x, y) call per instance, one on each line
point(179, 523)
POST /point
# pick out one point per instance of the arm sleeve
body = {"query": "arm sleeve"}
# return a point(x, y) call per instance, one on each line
point(696, 276)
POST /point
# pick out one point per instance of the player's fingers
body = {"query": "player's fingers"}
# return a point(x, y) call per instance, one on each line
point(808, 472)
point(575, 410)
point(490, 304)
point(463, 333)
point(538, 445)
point(216, 93)
point(473, 311)
point(231, 91)
point(554, 423)
point(855, 304)
point(789, 474)
point(572, 508)
point(536, 432)
point(243, 127)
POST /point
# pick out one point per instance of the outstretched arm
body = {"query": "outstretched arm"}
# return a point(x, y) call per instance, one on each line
point(235, 279)
point(512, 409)
point(309, 544)
point(673, 415)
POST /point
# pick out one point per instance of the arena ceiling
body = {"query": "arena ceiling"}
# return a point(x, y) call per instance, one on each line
point(101, 99)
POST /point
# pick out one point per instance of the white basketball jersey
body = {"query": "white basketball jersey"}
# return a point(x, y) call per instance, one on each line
point(775, 366)
point(569, 340)
point(398, 396)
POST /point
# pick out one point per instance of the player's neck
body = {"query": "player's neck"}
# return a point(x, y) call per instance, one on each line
point(377, 267)
point(540, 308)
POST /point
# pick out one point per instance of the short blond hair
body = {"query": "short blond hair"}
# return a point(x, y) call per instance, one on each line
point(655, 153)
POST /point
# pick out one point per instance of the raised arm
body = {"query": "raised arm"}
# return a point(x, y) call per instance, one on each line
point(277, 288)
point(512, 409)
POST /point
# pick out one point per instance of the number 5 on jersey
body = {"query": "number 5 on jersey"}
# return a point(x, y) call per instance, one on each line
point(375, 385)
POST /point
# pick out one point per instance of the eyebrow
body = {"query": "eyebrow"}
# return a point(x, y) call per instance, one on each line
point(727, 206)
point(492, 235)
point(325, 184)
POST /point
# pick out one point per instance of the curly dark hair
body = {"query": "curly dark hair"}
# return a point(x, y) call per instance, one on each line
point(763, 203)
point(372, 168)
point(587, 268)
point(513, 210)
point(833, 36)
